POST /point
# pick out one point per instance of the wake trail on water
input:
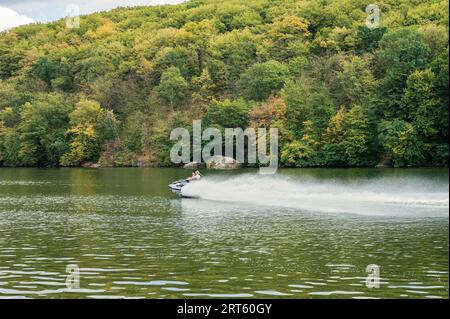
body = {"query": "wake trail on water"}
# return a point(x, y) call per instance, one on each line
point(378, 196)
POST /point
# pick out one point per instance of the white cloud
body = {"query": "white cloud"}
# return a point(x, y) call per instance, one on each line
point(10, 18)
point(50, 10)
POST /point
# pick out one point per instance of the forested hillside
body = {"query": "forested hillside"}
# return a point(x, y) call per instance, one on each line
point(340, 93)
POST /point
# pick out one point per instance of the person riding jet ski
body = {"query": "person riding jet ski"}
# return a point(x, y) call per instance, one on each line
point(196, 175)
point(178, 185)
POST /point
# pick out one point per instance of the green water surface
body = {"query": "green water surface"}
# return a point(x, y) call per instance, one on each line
point(132, 238)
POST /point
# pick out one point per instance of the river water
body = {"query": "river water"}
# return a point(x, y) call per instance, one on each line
point(303, 233)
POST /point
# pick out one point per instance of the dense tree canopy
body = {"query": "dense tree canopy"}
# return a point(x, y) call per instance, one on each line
point(341, 94)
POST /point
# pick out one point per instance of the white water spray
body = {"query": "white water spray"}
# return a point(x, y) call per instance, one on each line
point(380, 196)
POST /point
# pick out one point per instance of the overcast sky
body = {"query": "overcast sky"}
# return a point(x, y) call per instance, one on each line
point(18, 12)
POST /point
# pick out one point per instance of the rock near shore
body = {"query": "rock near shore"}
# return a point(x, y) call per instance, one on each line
point(194, 165)
point(222, 163)
point(90, 165)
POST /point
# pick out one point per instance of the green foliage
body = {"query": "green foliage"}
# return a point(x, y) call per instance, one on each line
point(203, 87)
point(356, 83)
point(401, 52)
point(297, 154)
point(347, 139)
point(440, 68)
point(227, 114)
point(303, 153)
point(400, 141)
point(436, 37)
point(441, 156)
point(306, 103)
point(368, 39)
point(133, 138)
point(231, 53)
point(7, 93)
point(9, 118)
point(54, 73)
point(87, 122)
point(333, 150)
point(262, 80)
point(9, 148)
point(421, 104)
point(356, 136)
point(340, 93)
point(288, 35)
point(42, 130)
point(111, 128)
point(9, 57)
point(172, 86)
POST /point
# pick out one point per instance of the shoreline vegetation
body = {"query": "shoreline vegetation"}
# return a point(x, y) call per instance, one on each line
point(108, 94)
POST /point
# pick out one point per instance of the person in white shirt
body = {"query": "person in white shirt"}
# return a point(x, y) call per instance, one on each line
point(196, 175)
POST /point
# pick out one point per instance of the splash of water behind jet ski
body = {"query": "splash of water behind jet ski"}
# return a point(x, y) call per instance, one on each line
point(379, 196)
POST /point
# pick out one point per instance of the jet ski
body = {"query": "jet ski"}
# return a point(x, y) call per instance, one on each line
point(178, 185)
